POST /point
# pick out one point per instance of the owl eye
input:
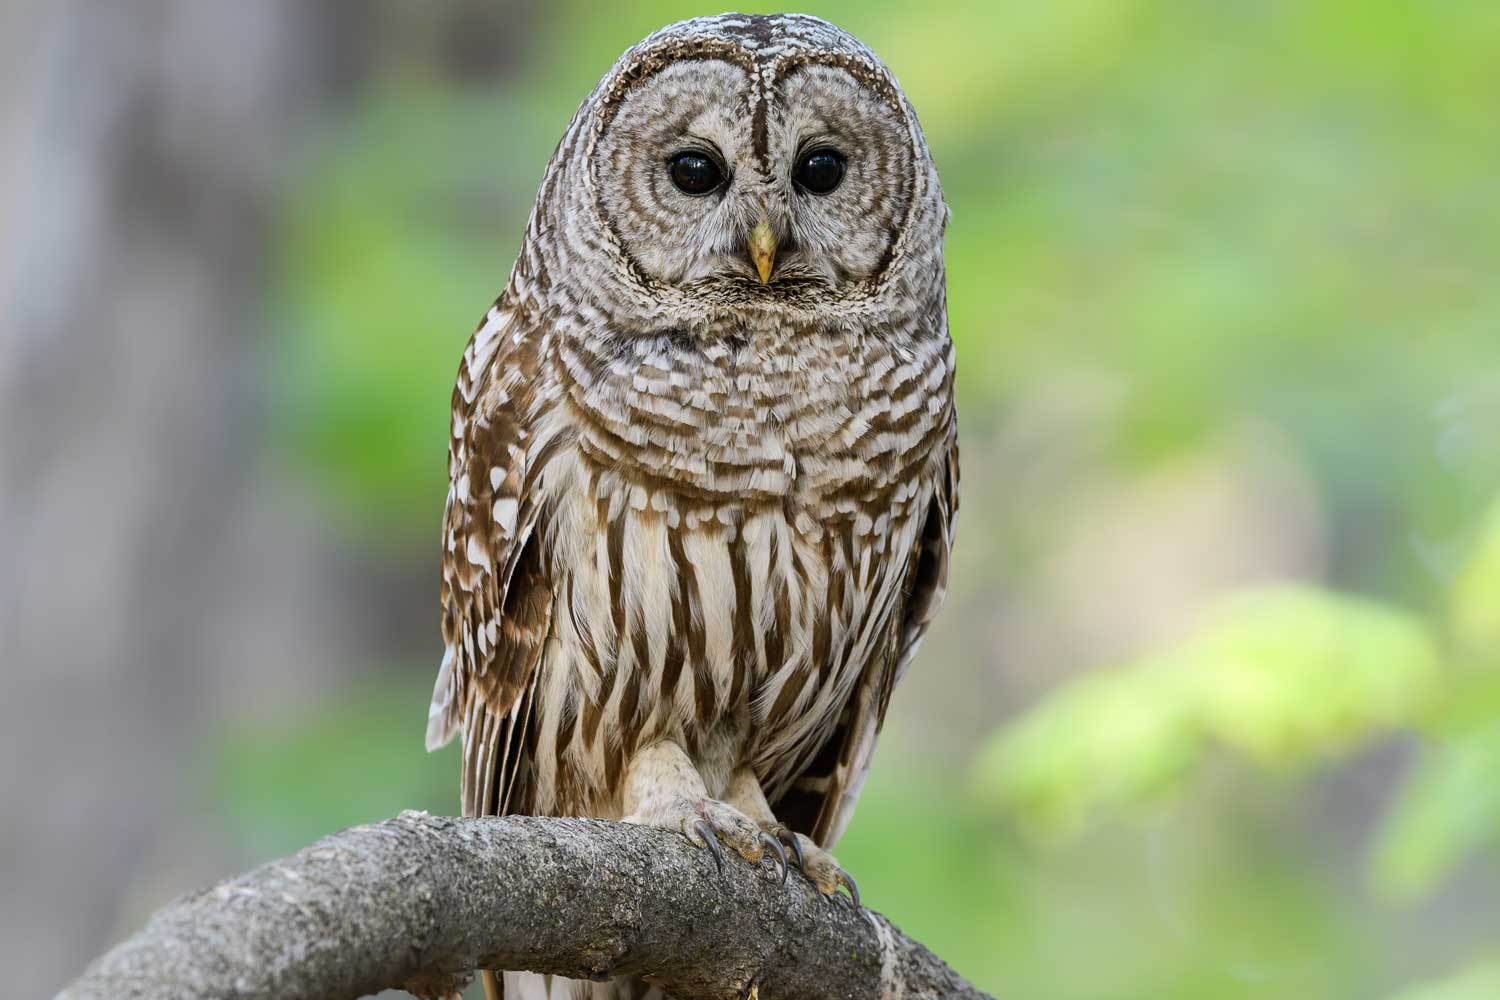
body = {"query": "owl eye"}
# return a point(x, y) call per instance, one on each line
point(819, 170)
point(694, 173)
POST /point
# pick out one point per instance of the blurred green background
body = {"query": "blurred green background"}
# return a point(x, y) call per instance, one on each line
point(1213, 710)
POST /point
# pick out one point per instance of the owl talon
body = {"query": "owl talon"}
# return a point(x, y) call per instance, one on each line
point(710, 841)
point(815, 864)
point(847, 880)
point(795, 843)
point(776, 849)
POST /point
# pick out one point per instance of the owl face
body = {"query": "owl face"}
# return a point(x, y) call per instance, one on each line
point(725, 179)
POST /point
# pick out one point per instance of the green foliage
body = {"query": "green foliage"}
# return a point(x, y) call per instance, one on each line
point(1450, 805)
point(1476, 597)
point(1287, 676)
point(1480, 981)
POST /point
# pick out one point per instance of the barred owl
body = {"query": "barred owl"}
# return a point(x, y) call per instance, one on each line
point(703, 462)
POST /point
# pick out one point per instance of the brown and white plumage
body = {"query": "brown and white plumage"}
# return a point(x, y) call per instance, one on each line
point(699, 521)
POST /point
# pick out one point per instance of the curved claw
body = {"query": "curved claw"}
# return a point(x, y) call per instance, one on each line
point(795, 843)
point(776, 849)
point(847, 880)
point(704, 831)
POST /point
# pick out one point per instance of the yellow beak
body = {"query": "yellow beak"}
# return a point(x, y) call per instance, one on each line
point(763, 248)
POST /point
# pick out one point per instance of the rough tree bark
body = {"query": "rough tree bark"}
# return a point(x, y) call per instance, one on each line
point(418, 901)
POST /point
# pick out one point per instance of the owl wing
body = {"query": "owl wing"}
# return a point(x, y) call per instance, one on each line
point(496, 587)
point(820, 802)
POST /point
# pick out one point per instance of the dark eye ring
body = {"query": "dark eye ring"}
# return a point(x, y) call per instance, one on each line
point(820, 170)
point(694, 173)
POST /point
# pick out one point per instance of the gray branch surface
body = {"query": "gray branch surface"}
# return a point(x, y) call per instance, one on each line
point(419, 901)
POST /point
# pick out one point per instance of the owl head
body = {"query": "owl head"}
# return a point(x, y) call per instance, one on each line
point(744, 164)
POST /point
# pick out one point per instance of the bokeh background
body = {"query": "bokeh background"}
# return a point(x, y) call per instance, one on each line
point(1213, 710)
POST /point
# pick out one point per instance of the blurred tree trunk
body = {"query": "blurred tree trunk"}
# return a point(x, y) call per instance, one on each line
point(139, 148)
point(143, 583)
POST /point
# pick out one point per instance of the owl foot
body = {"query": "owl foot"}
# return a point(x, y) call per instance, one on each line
point(816, 864)
point(664, 789)
point(714, 825)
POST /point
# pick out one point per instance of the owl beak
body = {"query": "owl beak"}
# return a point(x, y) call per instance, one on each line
point(763, 248)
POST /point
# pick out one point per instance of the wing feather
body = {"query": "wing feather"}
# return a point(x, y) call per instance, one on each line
point(496, 587)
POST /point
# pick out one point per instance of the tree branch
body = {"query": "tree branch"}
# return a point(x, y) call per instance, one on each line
point(418, 901)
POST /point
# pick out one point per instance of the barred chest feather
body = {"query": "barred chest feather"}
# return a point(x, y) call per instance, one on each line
point(730, 526)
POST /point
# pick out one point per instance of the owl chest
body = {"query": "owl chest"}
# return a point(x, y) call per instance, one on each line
point(738, 629)
point(807, 422)
point(730, 539)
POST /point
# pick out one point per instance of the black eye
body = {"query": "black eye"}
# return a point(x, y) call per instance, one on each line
point(694, 173)
point(820, 170)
